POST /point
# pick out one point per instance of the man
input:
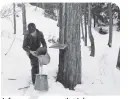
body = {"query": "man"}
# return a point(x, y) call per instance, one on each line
point(32, 41)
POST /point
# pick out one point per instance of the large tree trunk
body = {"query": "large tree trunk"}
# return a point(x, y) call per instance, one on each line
point(85, 22)
point(118, 60)
point(24, 19)
point(14, 18)
point(90, 32)
point(69, 73)
point(110, 25)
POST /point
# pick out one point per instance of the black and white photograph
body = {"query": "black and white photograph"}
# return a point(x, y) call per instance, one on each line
point(60, 49)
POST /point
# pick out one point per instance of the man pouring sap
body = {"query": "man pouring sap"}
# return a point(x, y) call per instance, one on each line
point(32, 45)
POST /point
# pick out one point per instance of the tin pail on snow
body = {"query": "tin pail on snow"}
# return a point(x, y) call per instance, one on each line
point(41, 83)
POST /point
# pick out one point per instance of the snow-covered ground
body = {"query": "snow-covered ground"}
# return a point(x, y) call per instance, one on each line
point(99, 73)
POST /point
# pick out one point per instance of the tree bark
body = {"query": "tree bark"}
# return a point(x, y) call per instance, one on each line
point(69, 73)
point(14, 18)
point(85, 22)
point(58, 12)
point(82, 30)
point(110, 25)
point(24, 19)
point(118, 60)
point(90, 32)
point(94, 20)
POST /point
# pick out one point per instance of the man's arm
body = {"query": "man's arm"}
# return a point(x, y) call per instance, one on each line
point(43, 40)
point(25, 44)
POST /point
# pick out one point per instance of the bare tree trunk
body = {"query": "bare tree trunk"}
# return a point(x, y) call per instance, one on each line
point(82, 23)
point(58, 12)
point(69, 73)
point(85, 22)
point(14, 18)
point(58, 18)
point(110, 25)
point(24, 19)
point(90, 32)
point(62, 25)
point(82, 28)
point(118, 60)
point(94, 20)
point(61, 22)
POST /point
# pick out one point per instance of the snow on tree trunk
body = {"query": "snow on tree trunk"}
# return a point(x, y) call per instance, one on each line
point(24, 18)
point(90, 32)
point(14, 18)
point(110, 25)
point(85, 22)
point(69, 73)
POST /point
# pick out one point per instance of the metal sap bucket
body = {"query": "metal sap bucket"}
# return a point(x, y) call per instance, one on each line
point(41, 81)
